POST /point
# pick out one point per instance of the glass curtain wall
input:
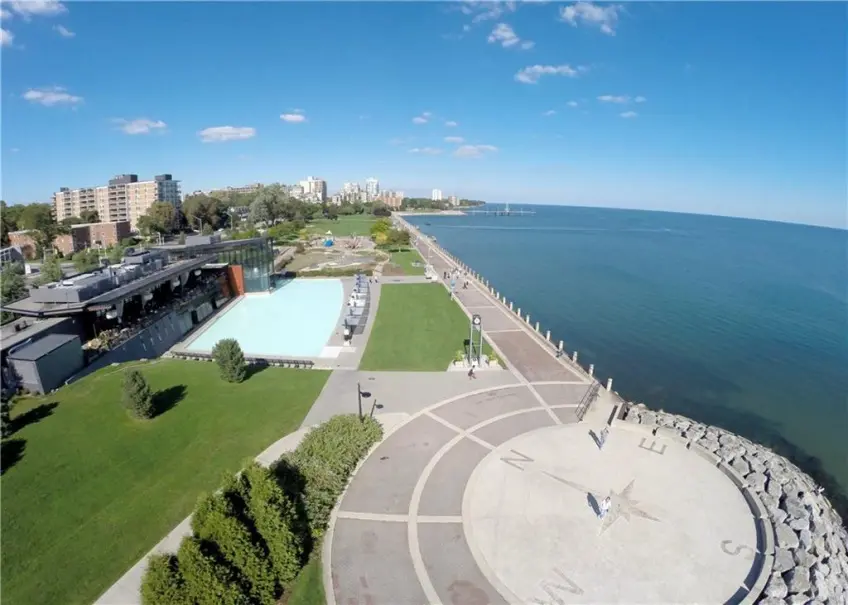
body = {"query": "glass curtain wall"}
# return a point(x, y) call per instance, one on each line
point(257, 263)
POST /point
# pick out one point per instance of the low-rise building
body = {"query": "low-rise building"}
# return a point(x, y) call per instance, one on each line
point(99, 235)
point(25, 242)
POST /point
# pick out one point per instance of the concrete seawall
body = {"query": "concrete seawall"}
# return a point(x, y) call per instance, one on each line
point(806, 544)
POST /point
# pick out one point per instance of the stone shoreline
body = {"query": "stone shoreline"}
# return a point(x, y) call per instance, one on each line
point(810, 546)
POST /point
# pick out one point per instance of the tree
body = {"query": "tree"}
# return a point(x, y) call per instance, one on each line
point(260, 210)
point(216, 520)
point(85, 260)
point(38, 219)
point(115, 254)
point(51, 271)
point(163, 582)
point(161, 217)
point(381, 210)
point(137, 397)
point(12, 286)
point(207, 209)
point(90, 216)
point(382, 225)
point(230, 359)
point(71, 220)
point(209, 581)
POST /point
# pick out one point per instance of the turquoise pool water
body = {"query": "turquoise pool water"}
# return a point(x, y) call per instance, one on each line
point(296, 320)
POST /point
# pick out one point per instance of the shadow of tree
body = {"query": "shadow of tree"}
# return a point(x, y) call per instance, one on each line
point(294, 484)
point(36, 414)
point(166, 399)
point(255, 368)
point(11, 452)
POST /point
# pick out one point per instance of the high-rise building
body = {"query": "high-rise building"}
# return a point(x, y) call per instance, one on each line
point(437, 195)
point(125, 198)
point(314, 189)
point(372, 188)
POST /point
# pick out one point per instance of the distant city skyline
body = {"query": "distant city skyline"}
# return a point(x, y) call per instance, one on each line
point(625, 106)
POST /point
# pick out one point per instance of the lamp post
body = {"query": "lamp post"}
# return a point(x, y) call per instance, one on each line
point(199, 220)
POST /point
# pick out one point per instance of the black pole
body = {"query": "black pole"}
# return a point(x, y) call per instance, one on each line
point(359, 398)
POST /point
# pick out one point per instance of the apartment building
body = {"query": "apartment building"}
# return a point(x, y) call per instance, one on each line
point(436, 196)
point(372, 188)
point(314, 189)
point(99, 235)
point(125, 198)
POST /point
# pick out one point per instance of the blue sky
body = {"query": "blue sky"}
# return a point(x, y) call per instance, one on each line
point(719, 108)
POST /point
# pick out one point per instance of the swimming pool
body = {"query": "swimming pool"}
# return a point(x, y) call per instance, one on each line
point(296, 320)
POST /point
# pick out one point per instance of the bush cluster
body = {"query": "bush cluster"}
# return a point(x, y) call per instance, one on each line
point(252, 537)
point(331, 272)
point(228, 355)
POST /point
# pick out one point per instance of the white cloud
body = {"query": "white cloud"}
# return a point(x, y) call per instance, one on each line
point(140, 125)
point(293, 118)
point(4, 14)
point(37, 8)
point(550, 112)
point(6, 37)
point(640, 99)
point(504, 35)
point(455, 140)
point(451, 124)
point(51, 96)
point(628, 114)
point(573, 104)
point(605, 17)
point(487, 11)
point(614, 99)
point(423, 118)
point(63, 31)
point(474, 151)
point(531, 74)
point(218, 134)
point(425, 150)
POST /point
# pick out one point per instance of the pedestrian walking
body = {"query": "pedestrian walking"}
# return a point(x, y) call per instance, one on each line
point(603, 438)
point(606, 503)
point(471, 373)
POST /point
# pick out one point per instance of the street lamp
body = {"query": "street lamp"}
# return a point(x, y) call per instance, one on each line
point(199, 220)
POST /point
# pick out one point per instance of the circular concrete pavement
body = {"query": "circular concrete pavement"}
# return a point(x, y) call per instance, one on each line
point(492, 497)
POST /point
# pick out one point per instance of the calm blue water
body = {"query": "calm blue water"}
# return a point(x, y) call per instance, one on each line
point(296, 320)
point(738, 323)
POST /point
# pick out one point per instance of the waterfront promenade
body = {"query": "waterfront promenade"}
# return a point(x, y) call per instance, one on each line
point(489, 492)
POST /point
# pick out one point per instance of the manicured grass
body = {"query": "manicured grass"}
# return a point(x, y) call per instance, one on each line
point(308, 587)
point(405, 259)
point(418, 328)
point(95, 490)
point(357, 224)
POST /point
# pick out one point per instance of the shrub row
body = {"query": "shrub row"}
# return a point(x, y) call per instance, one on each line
point(252, 537)
point(330, 272)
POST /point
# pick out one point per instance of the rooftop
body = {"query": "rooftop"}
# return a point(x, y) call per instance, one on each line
point(42, 347)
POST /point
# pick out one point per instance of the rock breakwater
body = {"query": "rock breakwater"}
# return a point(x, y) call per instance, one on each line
point(809, 552)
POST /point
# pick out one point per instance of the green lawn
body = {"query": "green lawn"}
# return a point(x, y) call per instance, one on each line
point(308, 587)
point(357, 224)
point(405, 259)
point(418, 328)
point(94, 489)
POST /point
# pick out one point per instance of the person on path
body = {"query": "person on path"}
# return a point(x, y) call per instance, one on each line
point(603, 438)
point(606, 503)
point(471, 373)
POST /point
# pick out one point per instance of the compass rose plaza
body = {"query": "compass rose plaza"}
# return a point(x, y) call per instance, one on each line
point(488, 492)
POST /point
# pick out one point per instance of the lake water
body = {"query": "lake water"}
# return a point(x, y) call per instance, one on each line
point(737, 323)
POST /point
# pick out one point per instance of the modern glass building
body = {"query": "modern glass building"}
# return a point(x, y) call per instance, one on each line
point(254, 256)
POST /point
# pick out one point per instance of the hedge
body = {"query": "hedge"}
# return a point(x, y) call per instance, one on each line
point(367, 270)
point(252, 537)
point(321, 465)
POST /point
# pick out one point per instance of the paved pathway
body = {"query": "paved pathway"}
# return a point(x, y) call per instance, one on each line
point(488, 493)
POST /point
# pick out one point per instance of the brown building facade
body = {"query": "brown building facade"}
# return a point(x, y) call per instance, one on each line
point(26, 242)
point(99, 235)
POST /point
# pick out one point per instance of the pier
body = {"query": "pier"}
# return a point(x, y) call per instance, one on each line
point(505, 211)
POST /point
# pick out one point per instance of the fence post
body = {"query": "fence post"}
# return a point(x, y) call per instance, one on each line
point(591, 369)
point(561, 346)
point(510, 306)
point(609, 385)
point(528, 319)
point(574, 357)
point(548, 336)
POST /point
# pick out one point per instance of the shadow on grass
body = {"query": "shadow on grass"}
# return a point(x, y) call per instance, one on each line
point(255, 368)
point(166, 399)
point(11, 452)
point(36, 414)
